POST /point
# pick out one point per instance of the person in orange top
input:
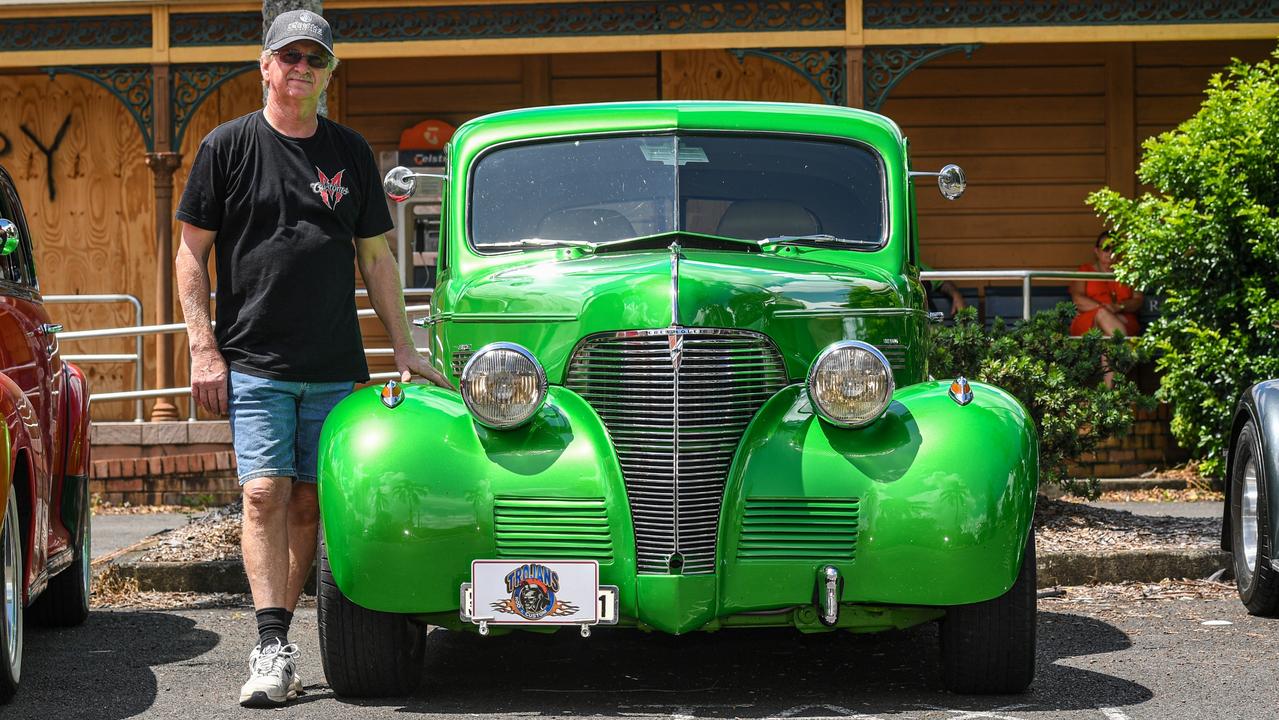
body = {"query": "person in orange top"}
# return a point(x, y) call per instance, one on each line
point(1104, 304)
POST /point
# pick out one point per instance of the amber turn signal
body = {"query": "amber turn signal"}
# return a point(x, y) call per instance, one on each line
point(960, 391)
point(392, 394)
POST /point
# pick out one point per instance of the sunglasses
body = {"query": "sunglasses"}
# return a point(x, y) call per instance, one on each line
point(293, 57)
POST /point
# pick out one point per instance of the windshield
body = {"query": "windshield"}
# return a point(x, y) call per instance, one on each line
point(573, 192)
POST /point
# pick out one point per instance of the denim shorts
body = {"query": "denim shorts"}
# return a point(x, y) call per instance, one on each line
point(275, 424)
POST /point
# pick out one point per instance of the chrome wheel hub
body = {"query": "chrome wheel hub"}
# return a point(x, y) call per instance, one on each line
point(1248, 514)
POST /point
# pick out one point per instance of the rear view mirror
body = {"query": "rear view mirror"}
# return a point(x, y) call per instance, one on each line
point(401, 182)
point(8, 236)
point(951, 181)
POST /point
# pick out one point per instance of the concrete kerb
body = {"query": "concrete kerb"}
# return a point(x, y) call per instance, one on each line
point(1055, 569)
point(204, 576)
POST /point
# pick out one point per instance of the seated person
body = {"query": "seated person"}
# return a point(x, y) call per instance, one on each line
point(1104, 304)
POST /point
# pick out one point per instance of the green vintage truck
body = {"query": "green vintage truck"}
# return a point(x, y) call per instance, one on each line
point(689, 343)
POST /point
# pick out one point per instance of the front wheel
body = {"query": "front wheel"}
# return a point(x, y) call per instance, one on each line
point(989, 647)
point(365, 653)
point(1250, 540)
point(11, 596)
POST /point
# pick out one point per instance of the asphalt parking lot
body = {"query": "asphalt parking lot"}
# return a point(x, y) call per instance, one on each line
point(1107, 659)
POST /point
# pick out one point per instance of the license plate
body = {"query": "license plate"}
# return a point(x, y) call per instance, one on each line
point(550, 592)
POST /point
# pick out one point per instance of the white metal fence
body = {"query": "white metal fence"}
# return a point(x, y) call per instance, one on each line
point(138, 331)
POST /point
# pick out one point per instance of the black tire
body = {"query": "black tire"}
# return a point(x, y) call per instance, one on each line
point(365, 653)
point(10, 601)
point(1255, 578)
point(65, 602)
point(989, 647)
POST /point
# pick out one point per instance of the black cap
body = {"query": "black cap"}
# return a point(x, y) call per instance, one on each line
point(298, 25)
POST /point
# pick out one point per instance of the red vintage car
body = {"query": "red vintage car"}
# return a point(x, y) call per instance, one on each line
point(44, 456)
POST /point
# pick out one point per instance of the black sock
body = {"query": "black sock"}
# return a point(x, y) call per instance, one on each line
point(273, 623)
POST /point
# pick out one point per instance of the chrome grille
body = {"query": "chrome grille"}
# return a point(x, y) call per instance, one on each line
point(676, 403)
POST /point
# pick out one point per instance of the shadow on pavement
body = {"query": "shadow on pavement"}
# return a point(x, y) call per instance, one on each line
point(745, 673)
point(104, 668)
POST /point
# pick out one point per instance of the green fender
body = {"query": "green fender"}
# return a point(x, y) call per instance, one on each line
point(407, 495)
point(944, 495)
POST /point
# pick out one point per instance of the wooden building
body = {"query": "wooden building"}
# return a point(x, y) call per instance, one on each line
point(1041, 101)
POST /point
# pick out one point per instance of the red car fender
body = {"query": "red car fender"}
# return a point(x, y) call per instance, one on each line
point(19, 418)
point(76, 423)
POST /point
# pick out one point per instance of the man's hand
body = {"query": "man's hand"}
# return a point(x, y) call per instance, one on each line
point(410, 362)
point(209, 381)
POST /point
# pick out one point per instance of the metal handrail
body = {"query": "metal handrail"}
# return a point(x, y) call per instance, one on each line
point(182, 327)
point(1026, 276)
point(135, 357)
point(169, 328)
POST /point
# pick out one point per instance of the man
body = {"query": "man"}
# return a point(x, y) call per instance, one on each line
point(291, 202)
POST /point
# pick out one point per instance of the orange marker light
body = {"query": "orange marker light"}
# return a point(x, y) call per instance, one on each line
point(960, 391)
point(392, 394)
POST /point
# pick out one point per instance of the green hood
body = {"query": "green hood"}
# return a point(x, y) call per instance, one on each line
point(802, 298)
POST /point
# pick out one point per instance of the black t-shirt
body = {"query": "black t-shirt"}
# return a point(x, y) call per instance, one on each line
point(287, 212)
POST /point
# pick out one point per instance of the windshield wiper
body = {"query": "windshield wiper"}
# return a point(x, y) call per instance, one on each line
point(538, 242)
point(818, 238)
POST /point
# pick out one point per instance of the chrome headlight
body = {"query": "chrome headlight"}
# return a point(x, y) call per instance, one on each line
point(850, 383)
point(503, 385)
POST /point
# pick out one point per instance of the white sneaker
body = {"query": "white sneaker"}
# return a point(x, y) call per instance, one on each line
point(273, 678)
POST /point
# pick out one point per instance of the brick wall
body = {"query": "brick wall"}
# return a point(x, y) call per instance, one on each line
point(177, 463)
point(1150, 445)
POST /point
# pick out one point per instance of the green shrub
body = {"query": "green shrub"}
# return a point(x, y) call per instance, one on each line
point(1059, 379)
point(1208, 242)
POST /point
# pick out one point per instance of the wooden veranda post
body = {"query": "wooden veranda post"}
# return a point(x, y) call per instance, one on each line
point(163, 161)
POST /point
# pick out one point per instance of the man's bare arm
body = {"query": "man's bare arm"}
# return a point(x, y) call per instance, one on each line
point(208, 368)
point(381, 276)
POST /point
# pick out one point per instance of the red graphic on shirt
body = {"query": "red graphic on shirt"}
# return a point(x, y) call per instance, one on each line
point(331, 191)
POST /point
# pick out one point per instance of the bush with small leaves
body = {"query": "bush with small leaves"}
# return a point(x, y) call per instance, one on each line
point(1207, 241)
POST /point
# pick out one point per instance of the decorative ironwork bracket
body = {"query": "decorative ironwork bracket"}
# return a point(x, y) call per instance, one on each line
point(130, 84)
point(823, 68)
point(887, 66)
point(193, 84)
